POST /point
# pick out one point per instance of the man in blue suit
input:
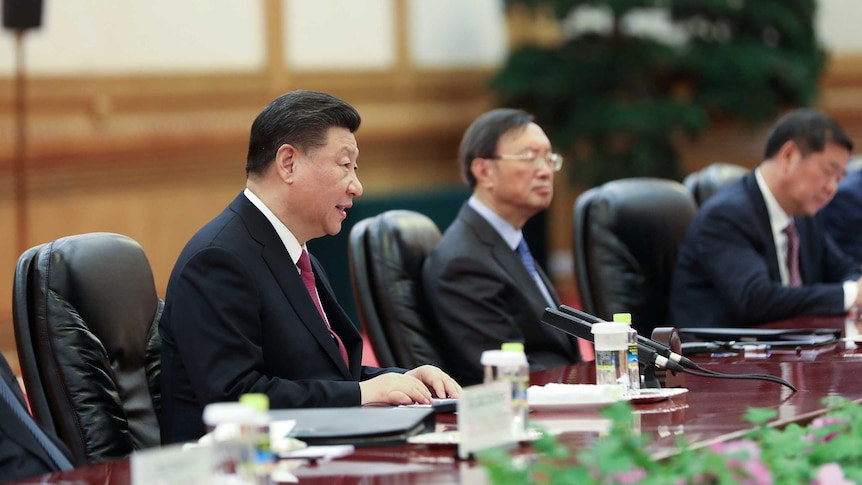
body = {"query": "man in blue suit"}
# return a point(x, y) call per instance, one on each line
point(25, 449)
point(843, 216)
point(247, 310)
point(741, 263)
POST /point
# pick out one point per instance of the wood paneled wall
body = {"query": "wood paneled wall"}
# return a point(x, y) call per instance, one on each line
point(155, 157)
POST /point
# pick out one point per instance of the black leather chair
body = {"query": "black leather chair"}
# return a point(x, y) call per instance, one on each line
point(86, 312)
point(27, 359)
point(626, 236)
point(386, 256)
point(707, 181)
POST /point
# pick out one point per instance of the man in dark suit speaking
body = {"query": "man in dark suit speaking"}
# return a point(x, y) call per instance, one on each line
point(754, 253)
point(247, 310)
point(481, 280)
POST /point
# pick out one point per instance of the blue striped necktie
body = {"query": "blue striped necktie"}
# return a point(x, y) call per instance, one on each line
point(527, 258)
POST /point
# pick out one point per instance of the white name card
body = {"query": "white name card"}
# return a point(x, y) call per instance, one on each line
point(172, 465)
point(484, 417)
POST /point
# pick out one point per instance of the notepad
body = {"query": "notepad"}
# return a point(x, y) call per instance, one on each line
point(359, 426)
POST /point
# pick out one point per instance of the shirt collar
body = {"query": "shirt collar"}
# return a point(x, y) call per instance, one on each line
point(778, 219)
point(287, 237)
point(507, 231)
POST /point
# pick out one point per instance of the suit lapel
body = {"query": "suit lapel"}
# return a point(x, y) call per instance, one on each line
point(284, 271)
point(763, 225)
point(549, 286)
point(339, 320)
point(806, 256)
point(505, 256)
point(12, 427)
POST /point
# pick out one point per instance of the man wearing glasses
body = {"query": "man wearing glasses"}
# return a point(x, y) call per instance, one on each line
point(482, 283)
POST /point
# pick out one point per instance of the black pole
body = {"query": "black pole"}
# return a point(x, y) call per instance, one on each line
point(19, 165)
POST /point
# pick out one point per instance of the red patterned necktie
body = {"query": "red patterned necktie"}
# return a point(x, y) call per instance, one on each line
point(304, 265)
point(793, 254)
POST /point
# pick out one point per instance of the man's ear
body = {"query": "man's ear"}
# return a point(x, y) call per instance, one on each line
point(480, 168)
point(286, 159)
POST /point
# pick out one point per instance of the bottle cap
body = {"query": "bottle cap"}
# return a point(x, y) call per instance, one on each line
point(623, 318)
point(503, 357)
point(227, 412)
point(257, 401)
point(610, 335)
point(512, 347)
point(608, 328)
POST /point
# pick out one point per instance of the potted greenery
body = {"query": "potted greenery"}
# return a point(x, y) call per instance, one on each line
point(616, 95)
point(826, 451)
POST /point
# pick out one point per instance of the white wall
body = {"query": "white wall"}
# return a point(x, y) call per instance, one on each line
point(167, 36)
point(445, 33)
point(838, 24)
point(133, 36)
point(339, 34)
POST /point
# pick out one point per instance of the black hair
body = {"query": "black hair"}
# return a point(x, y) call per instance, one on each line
point(300, 118)
point(809, 128)
point(480, 139)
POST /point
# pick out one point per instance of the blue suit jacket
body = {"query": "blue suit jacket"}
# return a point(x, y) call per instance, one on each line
point(238, 319)
point(727, 269)
point(21, 455)
point(843, 216)
point(483, 296)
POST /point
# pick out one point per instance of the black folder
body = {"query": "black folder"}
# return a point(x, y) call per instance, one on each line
point(359, 426)
point(776, 337)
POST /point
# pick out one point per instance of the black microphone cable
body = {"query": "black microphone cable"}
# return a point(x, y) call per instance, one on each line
point(759, 377)
point(683, 364)
point(660, 348)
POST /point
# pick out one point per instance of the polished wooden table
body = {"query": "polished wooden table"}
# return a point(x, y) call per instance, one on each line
point(710, 411)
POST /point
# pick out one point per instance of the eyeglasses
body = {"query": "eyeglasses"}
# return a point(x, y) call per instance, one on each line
point(553, 160)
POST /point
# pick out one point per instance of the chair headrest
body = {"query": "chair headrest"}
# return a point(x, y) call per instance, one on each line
point(706, 182)
point(90, 272)
point(628, 233)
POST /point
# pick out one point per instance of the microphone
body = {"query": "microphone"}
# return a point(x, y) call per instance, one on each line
point(571, 322)
point(578, 327)
point(661, 349)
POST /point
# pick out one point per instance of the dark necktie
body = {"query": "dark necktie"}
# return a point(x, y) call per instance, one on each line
point(793, 254)
point(21, 414)
point(304, 265)
point(527, 258)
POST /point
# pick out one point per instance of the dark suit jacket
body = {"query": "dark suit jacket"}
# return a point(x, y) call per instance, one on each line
point(483, 296)
point(238, 319)
point(843, 216)
point(21, 456)
point(727, 269)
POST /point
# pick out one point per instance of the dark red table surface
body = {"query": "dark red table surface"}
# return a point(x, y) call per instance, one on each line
point(711, 410)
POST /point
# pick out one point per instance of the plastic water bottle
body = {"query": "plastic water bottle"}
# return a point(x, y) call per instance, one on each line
point(509, 364)
point(258, 428)
point(234, 451)
point(632, 357)
point(611, 341)
point(240, 432)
